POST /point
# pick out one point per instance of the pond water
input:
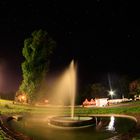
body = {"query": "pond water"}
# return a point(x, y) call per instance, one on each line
point(105, 127)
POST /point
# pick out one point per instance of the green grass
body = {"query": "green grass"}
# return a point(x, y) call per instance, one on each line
point(7, 107)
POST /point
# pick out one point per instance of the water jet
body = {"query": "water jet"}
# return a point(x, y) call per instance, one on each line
point(71, 121)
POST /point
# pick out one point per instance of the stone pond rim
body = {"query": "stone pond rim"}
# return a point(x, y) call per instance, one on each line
point(68, 122)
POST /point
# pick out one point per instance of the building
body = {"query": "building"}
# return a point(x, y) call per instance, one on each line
point(96, 102)
point(101, 102)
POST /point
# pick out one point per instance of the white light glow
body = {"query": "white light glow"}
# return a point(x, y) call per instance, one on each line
point(111, 92)
point(111, 124)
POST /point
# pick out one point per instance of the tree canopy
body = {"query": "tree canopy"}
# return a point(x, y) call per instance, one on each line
point(98, 90)
point(36, 51)
point(134, 87)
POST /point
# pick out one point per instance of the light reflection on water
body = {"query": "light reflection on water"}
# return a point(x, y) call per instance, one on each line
point(105, 127)
point(111, 124)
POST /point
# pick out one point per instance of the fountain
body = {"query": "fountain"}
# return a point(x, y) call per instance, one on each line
point(72, 86)
point(69, 80)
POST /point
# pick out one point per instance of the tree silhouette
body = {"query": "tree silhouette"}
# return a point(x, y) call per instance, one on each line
point(36, 51)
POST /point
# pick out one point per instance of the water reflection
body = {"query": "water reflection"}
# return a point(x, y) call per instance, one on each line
point(99, 123)
point(106, 127)
point(111, 124)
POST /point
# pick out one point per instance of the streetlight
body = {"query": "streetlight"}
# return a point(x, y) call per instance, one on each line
point(111, 93)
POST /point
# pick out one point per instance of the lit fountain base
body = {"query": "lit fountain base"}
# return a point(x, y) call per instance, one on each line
point(68, 122)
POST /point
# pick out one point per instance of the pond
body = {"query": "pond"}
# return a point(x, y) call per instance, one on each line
point(37, 128)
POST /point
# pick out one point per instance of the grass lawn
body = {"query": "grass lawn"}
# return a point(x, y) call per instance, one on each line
point(8, 108)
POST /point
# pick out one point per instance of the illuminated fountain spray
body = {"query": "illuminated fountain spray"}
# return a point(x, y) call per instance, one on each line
point(72, 85)
point(64, 88)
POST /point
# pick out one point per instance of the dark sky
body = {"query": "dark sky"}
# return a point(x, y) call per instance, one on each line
point(103, 36)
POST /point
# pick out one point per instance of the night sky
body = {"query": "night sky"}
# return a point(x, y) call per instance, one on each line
point(102, 36)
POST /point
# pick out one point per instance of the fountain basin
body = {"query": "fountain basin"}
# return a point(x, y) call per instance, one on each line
point(36, 127)
point(68, 122)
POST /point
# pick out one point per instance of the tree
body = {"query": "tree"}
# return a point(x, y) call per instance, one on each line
point(134, 87)
point(98, 90)
point(122, 86)
point(37, 50)
point(119, 83)
point(84, 92)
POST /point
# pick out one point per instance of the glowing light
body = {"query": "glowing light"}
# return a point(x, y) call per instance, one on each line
point(111, 124)
point(23, 97)
point(111, 93)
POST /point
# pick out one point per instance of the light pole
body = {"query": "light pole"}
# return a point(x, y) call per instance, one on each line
point(111, 93)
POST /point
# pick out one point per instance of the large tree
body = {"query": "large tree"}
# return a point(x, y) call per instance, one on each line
point(36, 51)
point(98, 90)
point(119, 83)
point(134, 88)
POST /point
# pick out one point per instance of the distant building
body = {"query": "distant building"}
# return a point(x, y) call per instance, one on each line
point(101, 102)
point(96, 102)
point(89, 103)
